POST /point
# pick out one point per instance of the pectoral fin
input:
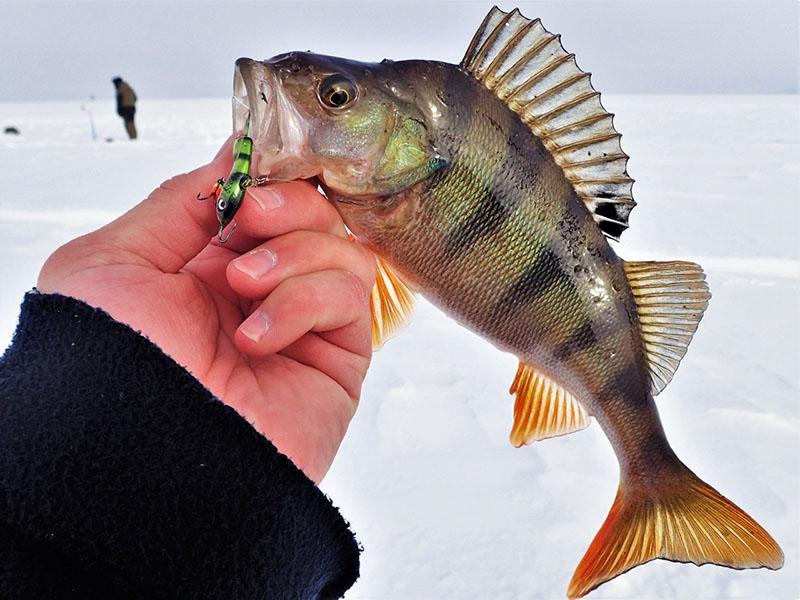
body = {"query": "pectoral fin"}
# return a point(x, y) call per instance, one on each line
point(543, 408)
point(391, 301)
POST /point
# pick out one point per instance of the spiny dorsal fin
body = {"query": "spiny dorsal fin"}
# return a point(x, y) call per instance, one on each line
point(671, 298)
point(527, 68)
point(543, 409)
point(392, 303)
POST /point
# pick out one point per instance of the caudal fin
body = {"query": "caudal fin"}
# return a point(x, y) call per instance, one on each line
point(684, 520)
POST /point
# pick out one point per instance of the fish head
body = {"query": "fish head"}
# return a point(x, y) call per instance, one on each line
point(355, 126)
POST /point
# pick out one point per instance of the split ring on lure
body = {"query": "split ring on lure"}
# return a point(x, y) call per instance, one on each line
point(228, 194)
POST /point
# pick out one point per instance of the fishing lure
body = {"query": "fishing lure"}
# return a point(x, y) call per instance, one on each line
point(228, 194)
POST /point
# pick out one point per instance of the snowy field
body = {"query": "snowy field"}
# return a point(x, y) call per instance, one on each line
point(442, 503)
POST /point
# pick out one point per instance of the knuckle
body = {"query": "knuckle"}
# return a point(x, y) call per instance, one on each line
point(370, 266)
point(302, 295)
point(301, 241)
point(354, 258)
point(354, 288)
point(173, 184)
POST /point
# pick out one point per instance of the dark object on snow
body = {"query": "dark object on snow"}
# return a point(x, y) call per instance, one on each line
point(121, 476)
point(11, 130)
point(126, 105)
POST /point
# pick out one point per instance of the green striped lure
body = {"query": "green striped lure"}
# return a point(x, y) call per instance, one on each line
point(228, 194)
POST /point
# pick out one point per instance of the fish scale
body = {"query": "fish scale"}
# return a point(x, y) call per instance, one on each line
point(491, 187)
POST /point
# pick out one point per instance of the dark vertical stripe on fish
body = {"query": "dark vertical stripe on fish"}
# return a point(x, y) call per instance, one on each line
point(580, 339)
point(622, 382)
point(486, 219)
point(544, 274)
point(466, 97)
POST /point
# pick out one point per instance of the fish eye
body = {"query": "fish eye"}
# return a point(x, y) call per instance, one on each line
point(336, 92)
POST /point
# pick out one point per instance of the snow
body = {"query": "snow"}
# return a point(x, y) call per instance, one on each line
point(443, 505)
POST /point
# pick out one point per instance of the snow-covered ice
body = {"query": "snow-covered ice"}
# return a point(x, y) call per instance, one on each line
point(443, 505)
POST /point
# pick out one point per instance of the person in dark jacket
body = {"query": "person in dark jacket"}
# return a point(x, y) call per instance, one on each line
point(126, 105)
point(167, 404)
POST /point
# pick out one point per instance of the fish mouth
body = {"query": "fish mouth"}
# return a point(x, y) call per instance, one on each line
point(278, 130)
point(253, 88)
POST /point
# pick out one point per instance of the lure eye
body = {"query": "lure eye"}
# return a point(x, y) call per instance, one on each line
point(337, 92)
point(221, 205)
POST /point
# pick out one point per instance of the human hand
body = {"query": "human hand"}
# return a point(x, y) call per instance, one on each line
point(276, 323)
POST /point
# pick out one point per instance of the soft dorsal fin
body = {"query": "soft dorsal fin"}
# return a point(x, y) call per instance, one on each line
point(527, 68)
point(391, 301)
point(543, 409)
point(671, 298)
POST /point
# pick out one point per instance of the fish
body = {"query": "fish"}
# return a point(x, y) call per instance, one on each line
point(494, 188)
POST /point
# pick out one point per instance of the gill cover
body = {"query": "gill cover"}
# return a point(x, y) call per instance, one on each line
point(408, 158)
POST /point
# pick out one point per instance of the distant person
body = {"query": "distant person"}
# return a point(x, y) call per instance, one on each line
point(126, 105)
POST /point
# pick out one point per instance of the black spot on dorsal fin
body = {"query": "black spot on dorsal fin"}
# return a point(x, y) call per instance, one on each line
point(527, 68)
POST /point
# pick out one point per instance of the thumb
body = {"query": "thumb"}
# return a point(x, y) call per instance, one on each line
point(170, 226)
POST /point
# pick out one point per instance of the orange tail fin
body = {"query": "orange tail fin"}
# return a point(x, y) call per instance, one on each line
point(688, 521)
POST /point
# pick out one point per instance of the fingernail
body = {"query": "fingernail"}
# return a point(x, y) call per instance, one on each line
point(256, 264)
point(268, 199)
point(255, 326)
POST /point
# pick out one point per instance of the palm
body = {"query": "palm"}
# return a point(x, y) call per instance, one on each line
point(294, 395)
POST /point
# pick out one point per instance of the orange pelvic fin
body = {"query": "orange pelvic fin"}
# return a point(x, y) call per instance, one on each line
point(543, 408)
point(392, 302)
point(682, 519)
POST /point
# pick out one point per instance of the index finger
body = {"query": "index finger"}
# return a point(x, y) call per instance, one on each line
point(279, 208)
point(170, 227)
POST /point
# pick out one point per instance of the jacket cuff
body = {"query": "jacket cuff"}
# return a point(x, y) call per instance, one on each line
point(113, 454)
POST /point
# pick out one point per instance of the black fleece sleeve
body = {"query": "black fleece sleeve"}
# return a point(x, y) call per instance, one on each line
point(121, 476)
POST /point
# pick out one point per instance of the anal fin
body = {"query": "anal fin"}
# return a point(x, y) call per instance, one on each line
point(671, 298)
point(543, 409)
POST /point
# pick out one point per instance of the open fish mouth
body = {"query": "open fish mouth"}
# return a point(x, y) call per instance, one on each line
point(253, 88)
point(278, 130)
